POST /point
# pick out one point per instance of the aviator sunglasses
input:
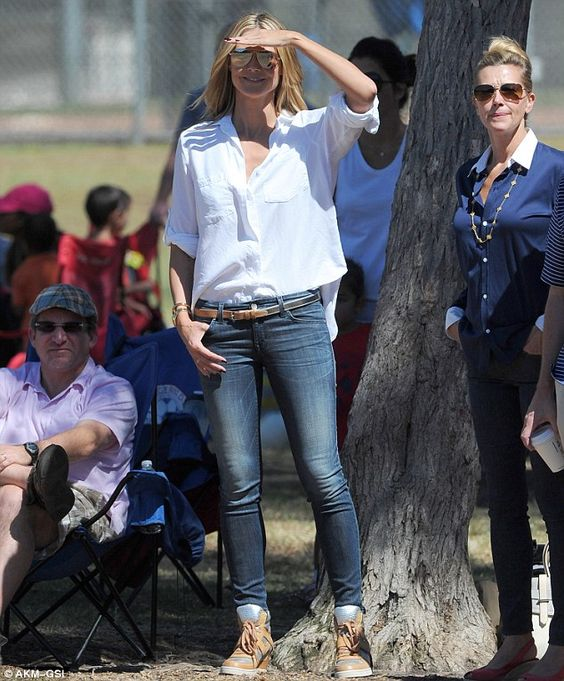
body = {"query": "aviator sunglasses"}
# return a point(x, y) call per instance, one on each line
point(511, 92)
point(242, 57)
point(67, 327)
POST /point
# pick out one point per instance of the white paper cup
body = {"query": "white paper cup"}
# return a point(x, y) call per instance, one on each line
point(549, 447)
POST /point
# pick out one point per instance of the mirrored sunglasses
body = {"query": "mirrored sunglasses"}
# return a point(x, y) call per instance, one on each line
point(67, 327)
point(377, 78)
point(241, 58)
point(511, 92)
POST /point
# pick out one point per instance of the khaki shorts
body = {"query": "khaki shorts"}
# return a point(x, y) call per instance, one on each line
point(87, 502)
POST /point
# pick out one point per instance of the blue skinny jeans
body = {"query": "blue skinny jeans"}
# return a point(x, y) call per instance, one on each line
point(295, 349)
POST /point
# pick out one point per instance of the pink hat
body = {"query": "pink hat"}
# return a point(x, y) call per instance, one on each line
point(26, 198)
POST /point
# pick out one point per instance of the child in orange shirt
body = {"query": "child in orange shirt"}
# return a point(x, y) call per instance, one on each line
point(39, 268)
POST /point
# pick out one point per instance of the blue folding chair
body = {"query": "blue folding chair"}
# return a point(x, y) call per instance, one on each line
point(181, 439)
point(158, 514)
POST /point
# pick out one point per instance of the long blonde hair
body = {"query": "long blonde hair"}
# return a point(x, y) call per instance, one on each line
point(219, 95)
point(504, 50)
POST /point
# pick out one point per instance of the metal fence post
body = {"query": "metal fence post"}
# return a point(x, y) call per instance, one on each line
point(141, 46)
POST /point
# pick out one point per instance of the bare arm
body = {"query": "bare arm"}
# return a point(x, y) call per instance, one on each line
point(80, 442)
point(157, 214)
point(359, 89)
point(181, 276)
point(543, 407)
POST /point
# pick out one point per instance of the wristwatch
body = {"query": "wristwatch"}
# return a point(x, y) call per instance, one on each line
point(33, 450)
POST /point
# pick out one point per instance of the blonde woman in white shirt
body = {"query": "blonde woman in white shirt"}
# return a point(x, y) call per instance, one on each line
point(254, 271)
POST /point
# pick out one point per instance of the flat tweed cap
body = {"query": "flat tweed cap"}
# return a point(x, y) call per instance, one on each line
point(65, 297)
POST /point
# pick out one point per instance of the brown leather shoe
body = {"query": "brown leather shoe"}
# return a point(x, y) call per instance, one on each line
point(47, 484)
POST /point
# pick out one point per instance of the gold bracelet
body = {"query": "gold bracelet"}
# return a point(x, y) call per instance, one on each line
point(177, 309)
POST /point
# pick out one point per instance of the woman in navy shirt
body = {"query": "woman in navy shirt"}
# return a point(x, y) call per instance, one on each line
point(505, 199)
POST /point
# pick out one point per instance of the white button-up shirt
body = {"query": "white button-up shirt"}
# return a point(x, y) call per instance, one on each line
point(276, 233)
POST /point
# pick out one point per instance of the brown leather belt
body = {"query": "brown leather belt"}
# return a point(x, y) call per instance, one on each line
point(254, 311)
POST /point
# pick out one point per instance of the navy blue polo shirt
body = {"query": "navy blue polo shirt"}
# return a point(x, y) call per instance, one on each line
point(553, 271)
point(504, 294)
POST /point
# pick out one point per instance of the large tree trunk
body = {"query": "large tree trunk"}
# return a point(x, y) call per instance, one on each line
point(410, 453)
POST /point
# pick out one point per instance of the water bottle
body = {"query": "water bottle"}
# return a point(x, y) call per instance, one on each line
point(153, 528)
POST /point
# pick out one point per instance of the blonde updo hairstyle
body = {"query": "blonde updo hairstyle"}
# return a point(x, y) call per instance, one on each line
point(503, 50)
point(219, 95)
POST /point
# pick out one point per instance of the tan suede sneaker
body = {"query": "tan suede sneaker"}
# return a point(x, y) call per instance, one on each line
point(353, 653)
point(253, 650)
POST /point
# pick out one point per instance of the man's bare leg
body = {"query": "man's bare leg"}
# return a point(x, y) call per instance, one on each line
point(22, 529)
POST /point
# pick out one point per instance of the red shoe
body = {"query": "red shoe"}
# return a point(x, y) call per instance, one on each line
point(559, 676)
point(512, 670)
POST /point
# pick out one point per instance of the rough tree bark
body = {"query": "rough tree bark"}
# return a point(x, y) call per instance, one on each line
point(410, 453)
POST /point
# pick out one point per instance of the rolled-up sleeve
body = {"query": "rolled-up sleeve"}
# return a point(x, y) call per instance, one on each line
point(182, 225)
point(112, 402)
point(342, 126)
point(369, 120)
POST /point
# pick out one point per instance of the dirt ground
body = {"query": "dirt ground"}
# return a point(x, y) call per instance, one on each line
point(192, 638)
point(191, 644)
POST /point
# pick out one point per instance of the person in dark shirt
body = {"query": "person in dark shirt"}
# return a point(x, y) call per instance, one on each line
point(548, 402)
point(505, 200)
point(192, 112)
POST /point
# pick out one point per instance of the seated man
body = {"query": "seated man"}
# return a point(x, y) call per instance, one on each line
point(66, 434)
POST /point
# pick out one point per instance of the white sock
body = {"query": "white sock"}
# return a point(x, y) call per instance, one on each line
point(252, 612)
point(346, 613)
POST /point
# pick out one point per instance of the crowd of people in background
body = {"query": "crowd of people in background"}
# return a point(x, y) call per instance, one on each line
point(506, 201)
point(114, 267)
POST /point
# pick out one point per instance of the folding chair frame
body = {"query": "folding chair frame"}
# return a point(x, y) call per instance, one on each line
point(94, 583)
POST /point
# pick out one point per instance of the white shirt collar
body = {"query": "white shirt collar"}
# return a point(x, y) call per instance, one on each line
point(523, 155)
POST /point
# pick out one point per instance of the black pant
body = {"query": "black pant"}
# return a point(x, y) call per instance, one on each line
point(498, 401)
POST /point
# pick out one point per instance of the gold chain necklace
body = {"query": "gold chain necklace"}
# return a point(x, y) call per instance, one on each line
point(474, 227)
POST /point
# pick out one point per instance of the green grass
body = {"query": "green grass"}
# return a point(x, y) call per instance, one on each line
point(69, 171)
point(479, 539)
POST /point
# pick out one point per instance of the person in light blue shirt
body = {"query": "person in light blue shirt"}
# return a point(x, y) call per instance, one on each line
point(369, 172)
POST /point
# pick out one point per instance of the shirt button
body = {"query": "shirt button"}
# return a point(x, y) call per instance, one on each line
point(484, 260)
point(484, 296)
point(485, 223)
point(488, 331)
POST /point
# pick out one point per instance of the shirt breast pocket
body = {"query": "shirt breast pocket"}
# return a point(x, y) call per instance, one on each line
point(217, 200)
point(289, 179)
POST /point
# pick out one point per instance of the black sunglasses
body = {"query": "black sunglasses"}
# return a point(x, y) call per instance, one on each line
point(377, 78)
point(67, 327)
point(511, 92)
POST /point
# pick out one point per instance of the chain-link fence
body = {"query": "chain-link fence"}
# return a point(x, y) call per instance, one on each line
point(120, 69)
